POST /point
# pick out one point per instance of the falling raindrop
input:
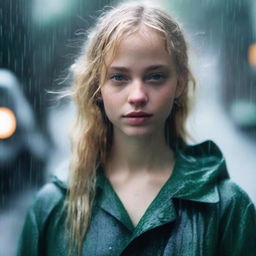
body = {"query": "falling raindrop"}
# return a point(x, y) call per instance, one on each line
point(39, 42)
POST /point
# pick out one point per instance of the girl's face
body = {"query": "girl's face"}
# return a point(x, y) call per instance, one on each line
point(141, 85)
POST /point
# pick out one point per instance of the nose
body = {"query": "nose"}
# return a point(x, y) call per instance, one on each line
point(138, 95)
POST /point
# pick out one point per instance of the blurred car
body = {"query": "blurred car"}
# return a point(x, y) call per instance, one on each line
point(23, 148)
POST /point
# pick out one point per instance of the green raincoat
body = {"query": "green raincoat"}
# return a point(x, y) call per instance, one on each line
point(198, 212)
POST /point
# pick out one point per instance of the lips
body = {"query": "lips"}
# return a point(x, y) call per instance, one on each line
point(139, 114)
point(138, 118)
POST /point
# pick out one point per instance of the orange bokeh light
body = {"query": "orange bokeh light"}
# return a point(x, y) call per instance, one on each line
point(7, 123)
point(252, 55)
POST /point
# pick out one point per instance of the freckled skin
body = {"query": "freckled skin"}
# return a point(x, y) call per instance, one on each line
point(139, 88)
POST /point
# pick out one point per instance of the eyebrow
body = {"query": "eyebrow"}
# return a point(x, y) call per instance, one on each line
point(150, 68)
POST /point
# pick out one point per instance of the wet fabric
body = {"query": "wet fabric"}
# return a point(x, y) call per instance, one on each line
point(198, 211)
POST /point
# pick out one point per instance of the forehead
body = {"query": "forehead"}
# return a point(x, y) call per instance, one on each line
point(145, 44)
point(146, 35)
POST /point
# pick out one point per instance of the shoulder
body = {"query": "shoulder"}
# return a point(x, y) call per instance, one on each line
point(51, 191)
point(230, 191)
point(237, 213)
point(237, 221)
point(48, 197)
point(233, 198)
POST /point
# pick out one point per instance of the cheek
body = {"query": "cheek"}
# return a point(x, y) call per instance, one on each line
point(167, 108)
point(166, 102)
point(107, 104)
point(110, 103)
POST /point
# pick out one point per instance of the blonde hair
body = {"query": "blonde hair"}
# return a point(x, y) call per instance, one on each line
point(92, 132)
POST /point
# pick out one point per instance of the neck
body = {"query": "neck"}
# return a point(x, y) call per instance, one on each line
point(144, 154)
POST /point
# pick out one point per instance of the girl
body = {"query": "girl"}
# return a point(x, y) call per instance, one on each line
point(135, 186)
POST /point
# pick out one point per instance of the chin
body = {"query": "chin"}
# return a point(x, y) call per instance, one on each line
point(138, 132)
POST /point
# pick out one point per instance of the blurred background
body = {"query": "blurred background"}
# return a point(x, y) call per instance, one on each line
point(39, 40)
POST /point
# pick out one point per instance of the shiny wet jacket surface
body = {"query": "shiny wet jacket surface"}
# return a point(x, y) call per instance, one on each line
point(198, 211)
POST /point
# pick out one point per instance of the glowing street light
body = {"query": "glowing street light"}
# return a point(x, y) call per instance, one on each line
point(7, 123)
point(252, 55)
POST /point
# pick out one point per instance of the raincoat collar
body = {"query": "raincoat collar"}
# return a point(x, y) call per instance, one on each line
point(197, 170)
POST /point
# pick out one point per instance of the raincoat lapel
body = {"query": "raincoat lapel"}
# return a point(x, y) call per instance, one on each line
point(110, 203)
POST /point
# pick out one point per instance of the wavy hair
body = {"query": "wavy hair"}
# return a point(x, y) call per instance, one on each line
point(92, 131)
